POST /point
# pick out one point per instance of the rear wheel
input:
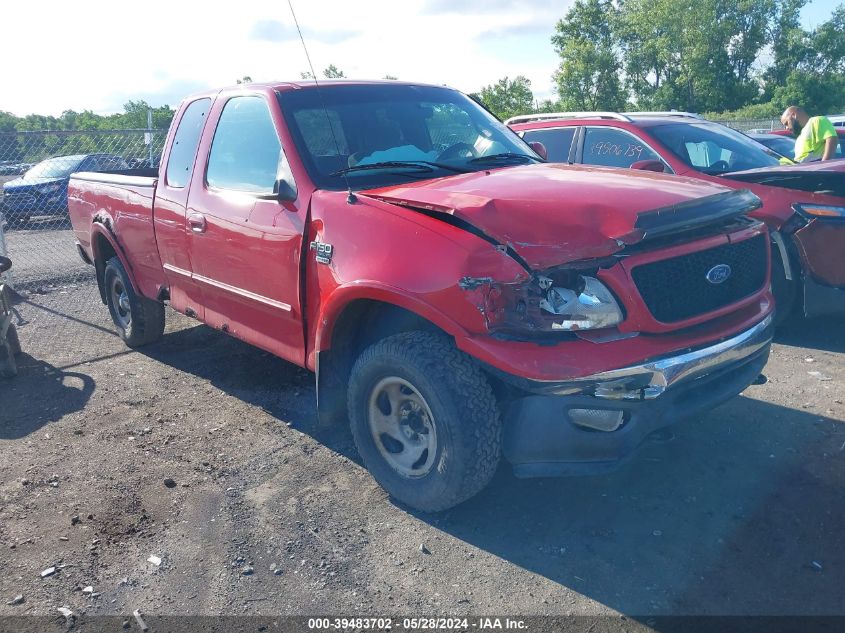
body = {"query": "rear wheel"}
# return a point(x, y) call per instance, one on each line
point(425, 420)
point(138, 320)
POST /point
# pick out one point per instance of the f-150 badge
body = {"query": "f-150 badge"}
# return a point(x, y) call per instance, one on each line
point(324, 251)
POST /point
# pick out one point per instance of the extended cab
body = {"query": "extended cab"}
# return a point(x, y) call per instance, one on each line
point(458, 298)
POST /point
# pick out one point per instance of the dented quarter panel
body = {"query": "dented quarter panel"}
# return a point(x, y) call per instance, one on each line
point(388, 253)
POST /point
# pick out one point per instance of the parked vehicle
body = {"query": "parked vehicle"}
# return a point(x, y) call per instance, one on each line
point(457, 298)
point(11, 168)
point(783, 145)
point(10, 345)
point(42, 190)
point(803, 205)
point(783, 139)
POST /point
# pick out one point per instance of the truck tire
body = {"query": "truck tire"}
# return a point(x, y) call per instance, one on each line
point(424, 420)
point(138, 320)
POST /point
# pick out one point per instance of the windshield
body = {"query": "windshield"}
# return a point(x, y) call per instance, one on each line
point(376, 135)
point(60, 167)
point(714, 149)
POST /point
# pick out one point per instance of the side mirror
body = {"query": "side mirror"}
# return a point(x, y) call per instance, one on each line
point(649, 165)
point(538, 147)
point(284, 190)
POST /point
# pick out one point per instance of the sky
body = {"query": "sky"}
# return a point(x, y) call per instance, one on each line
point(88, 55)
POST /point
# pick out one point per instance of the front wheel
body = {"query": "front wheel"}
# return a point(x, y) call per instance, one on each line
point(138, 320)
point(425, 420)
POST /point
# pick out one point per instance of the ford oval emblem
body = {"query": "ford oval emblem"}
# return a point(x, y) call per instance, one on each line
point(718, 274)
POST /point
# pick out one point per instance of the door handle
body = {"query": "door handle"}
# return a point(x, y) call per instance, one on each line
point(197, 222)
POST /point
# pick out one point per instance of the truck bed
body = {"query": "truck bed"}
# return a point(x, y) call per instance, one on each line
point(116, 209)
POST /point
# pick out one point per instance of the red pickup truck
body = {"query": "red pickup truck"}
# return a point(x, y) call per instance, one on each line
point(456, 297)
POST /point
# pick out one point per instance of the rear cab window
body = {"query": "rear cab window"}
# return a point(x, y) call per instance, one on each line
point(185, 142)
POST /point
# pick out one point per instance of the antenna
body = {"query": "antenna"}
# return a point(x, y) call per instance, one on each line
point(351, 199)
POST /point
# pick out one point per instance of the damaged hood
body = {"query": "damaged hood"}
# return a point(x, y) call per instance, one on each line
point(551, 214)
point(826, 178)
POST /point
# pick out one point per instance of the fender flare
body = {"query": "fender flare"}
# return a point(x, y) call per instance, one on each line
point(344, 295)
point(101, 227)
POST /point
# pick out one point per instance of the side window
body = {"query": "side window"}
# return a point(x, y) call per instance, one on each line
point(610, 147)
point(246, 149)
point(185, 142)
point(557, 142)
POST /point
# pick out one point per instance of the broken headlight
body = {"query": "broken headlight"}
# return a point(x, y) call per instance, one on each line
point(589, 307)
point(560, 301)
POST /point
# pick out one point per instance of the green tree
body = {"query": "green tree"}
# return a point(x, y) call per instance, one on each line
point(816, 79)
point(333, 72)
point(507, 98)
point(135, 116)
point(330, 72)
point(589, 71)
point(693, 55)
point(246, 79)
point(790, 45)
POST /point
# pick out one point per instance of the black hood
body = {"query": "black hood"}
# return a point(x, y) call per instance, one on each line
point(819, 177)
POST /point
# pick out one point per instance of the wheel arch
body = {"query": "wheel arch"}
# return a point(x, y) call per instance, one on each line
point(104, 246)
point(350, 326)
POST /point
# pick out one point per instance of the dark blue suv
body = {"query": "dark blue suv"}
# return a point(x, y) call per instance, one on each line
point(42, 190)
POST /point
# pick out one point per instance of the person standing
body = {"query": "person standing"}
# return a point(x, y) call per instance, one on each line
point(815, 137)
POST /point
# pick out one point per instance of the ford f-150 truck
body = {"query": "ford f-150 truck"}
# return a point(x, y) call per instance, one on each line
point(459, 300)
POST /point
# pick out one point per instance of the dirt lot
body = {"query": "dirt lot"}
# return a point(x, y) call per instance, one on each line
point(738, 512)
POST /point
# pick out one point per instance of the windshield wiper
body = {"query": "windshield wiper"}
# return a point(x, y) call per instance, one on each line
point(505, 157)
point(422, 165)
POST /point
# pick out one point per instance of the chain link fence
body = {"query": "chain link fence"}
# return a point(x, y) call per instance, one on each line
point(52, 285)
point(753, 125)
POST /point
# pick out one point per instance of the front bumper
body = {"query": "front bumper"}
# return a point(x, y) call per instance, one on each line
point(32, 204)
point(541, 438)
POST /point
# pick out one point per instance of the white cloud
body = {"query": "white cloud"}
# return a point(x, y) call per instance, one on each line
point(90, 56)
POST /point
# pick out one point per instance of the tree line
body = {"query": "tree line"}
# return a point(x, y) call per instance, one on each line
point(734, 58)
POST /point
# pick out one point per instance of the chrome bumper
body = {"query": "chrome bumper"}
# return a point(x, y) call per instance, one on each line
point(649, 380)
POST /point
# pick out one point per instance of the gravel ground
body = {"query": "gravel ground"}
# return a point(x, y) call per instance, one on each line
point(203, 452)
